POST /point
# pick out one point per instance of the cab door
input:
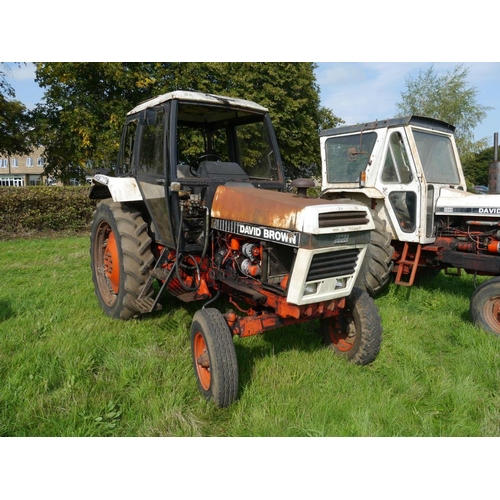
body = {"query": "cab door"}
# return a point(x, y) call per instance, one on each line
point(401, 187)
point(150, 169)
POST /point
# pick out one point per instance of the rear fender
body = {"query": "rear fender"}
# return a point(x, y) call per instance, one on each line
point(121, 189)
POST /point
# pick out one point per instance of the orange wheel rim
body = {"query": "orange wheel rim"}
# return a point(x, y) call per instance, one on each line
point(107, 263)
point(202, 361)
point(112, 262)
point(492, 313)
point(343, 336)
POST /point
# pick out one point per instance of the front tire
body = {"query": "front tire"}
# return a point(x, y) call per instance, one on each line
point(356, 333)
point(214, 357)
point(485, 306)
point(120, 257)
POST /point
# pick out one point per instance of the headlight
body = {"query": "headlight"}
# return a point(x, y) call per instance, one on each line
point(310, 288)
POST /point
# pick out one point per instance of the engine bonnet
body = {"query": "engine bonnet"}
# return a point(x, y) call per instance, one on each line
point(284, 210)
point(457, 202)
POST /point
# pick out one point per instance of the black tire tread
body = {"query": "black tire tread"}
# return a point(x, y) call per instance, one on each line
point(368, 324)
point(375, 272)
point(136, 253)
point(223, 362)
point(479, 302)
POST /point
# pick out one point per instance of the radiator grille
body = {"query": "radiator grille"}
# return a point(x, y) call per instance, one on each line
point(333, 264)
point(346, 218)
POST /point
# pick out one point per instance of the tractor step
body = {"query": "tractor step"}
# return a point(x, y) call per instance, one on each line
point(145, 305)
point(408, 263)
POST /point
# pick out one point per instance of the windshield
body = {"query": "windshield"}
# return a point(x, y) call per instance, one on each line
point(210, 133)
point(437, 157)
point(348, 156)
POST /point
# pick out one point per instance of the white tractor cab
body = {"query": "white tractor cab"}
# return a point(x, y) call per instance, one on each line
point(408, 171)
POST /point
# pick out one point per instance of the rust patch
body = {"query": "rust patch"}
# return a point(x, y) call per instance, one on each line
point(260, 206)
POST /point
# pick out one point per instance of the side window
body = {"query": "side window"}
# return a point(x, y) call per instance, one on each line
point(125, 158)
point(396, 166)
point(151, 150)
point(404, 204)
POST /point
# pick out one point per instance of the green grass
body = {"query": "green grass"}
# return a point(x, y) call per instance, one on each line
point(68, 370)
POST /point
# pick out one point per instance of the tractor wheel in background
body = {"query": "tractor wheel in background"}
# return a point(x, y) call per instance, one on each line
point(214, 357)
point(120, 257)
point(485, 306)
point(375, 271)
point(356, 333)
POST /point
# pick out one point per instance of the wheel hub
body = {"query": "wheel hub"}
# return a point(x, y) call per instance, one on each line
point(204, 360)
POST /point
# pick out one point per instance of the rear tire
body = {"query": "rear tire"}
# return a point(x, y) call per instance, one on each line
point(214, 357)
point(375, 272)
point(120, 257)
point(356, 333)
point(485, 306)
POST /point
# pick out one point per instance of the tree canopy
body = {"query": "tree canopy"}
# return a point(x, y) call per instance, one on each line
point(86, 103)
point(15, 136)
point(449, 98)
point(477, 166)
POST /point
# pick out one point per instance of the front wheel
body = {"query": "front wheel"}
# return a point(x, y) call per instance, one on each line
point(356, 333)
point(485, 306)
point(214, 357)
point(375, 272)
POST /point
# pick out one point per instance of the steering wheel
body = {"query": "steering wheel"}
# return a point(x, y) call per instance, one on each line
point(195, 164)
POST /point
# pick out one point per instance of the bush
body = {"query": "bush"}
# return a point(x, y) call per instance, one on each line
point(44, 209)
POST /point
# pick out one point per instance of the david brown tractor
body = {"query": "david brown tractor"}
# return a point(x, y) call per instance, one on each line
point(198, 211)
point(408, 171)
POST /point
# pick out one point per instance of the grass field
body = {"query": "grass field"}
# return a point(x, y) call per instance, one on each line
point(68, 370)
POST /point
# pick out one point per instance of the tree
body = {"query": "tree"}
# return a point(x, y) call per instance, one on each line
point(448, 98)
point(86, 103)
point(15, 134)
point(477, 167)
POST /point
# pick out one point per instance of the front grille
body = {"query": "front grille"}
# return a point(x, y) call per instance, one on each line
point(347, 218)
point(333, 264)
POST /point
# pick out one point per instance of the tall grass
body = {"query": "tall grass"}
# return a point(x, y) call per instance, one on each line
point(68, 370)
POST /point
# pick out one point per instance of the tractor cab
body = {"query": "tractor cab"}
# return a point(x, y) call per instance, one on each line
point(399, 166)
point(181, 146)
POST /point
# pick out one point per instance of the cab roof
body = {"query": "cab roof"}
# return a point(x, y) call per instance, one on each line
point(419, 121)
point(199, 97)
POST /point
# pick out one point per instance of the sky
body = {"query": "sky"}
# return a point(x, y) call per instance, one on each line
point(354, 91)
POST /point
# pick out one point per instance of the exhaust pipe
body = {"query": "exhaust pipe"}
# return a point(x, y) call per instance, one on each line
point(494, 171)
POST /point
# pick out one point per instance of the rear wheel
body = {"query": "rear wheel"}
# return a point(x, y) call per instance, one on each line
point(375, 271)
point(120, 257)
point(214, 357)
point(356, 333)
point(485, 306)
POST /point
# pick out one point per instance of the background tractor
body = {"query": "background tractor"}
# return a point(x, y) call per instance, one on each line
point(198, 211)
point(408, 171)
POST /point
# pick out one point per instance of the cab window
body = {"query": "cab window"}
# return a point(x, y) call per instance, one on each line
point(151, 150)
point(347, 156)
point(396, 166)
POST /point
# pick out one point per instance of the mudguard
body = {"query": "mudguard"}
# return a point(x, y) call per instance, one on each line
point(121, 189)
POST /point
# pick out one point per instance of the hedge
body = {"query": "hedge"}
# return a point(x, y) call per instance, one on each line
point(44, 209)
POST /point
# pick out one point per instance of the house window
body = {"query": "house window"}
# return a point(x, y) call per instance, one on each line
point(15, 162)
point(3, 163)
point(35, 180)
point(29, 162)
point(11, 181)
point(40, 162)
